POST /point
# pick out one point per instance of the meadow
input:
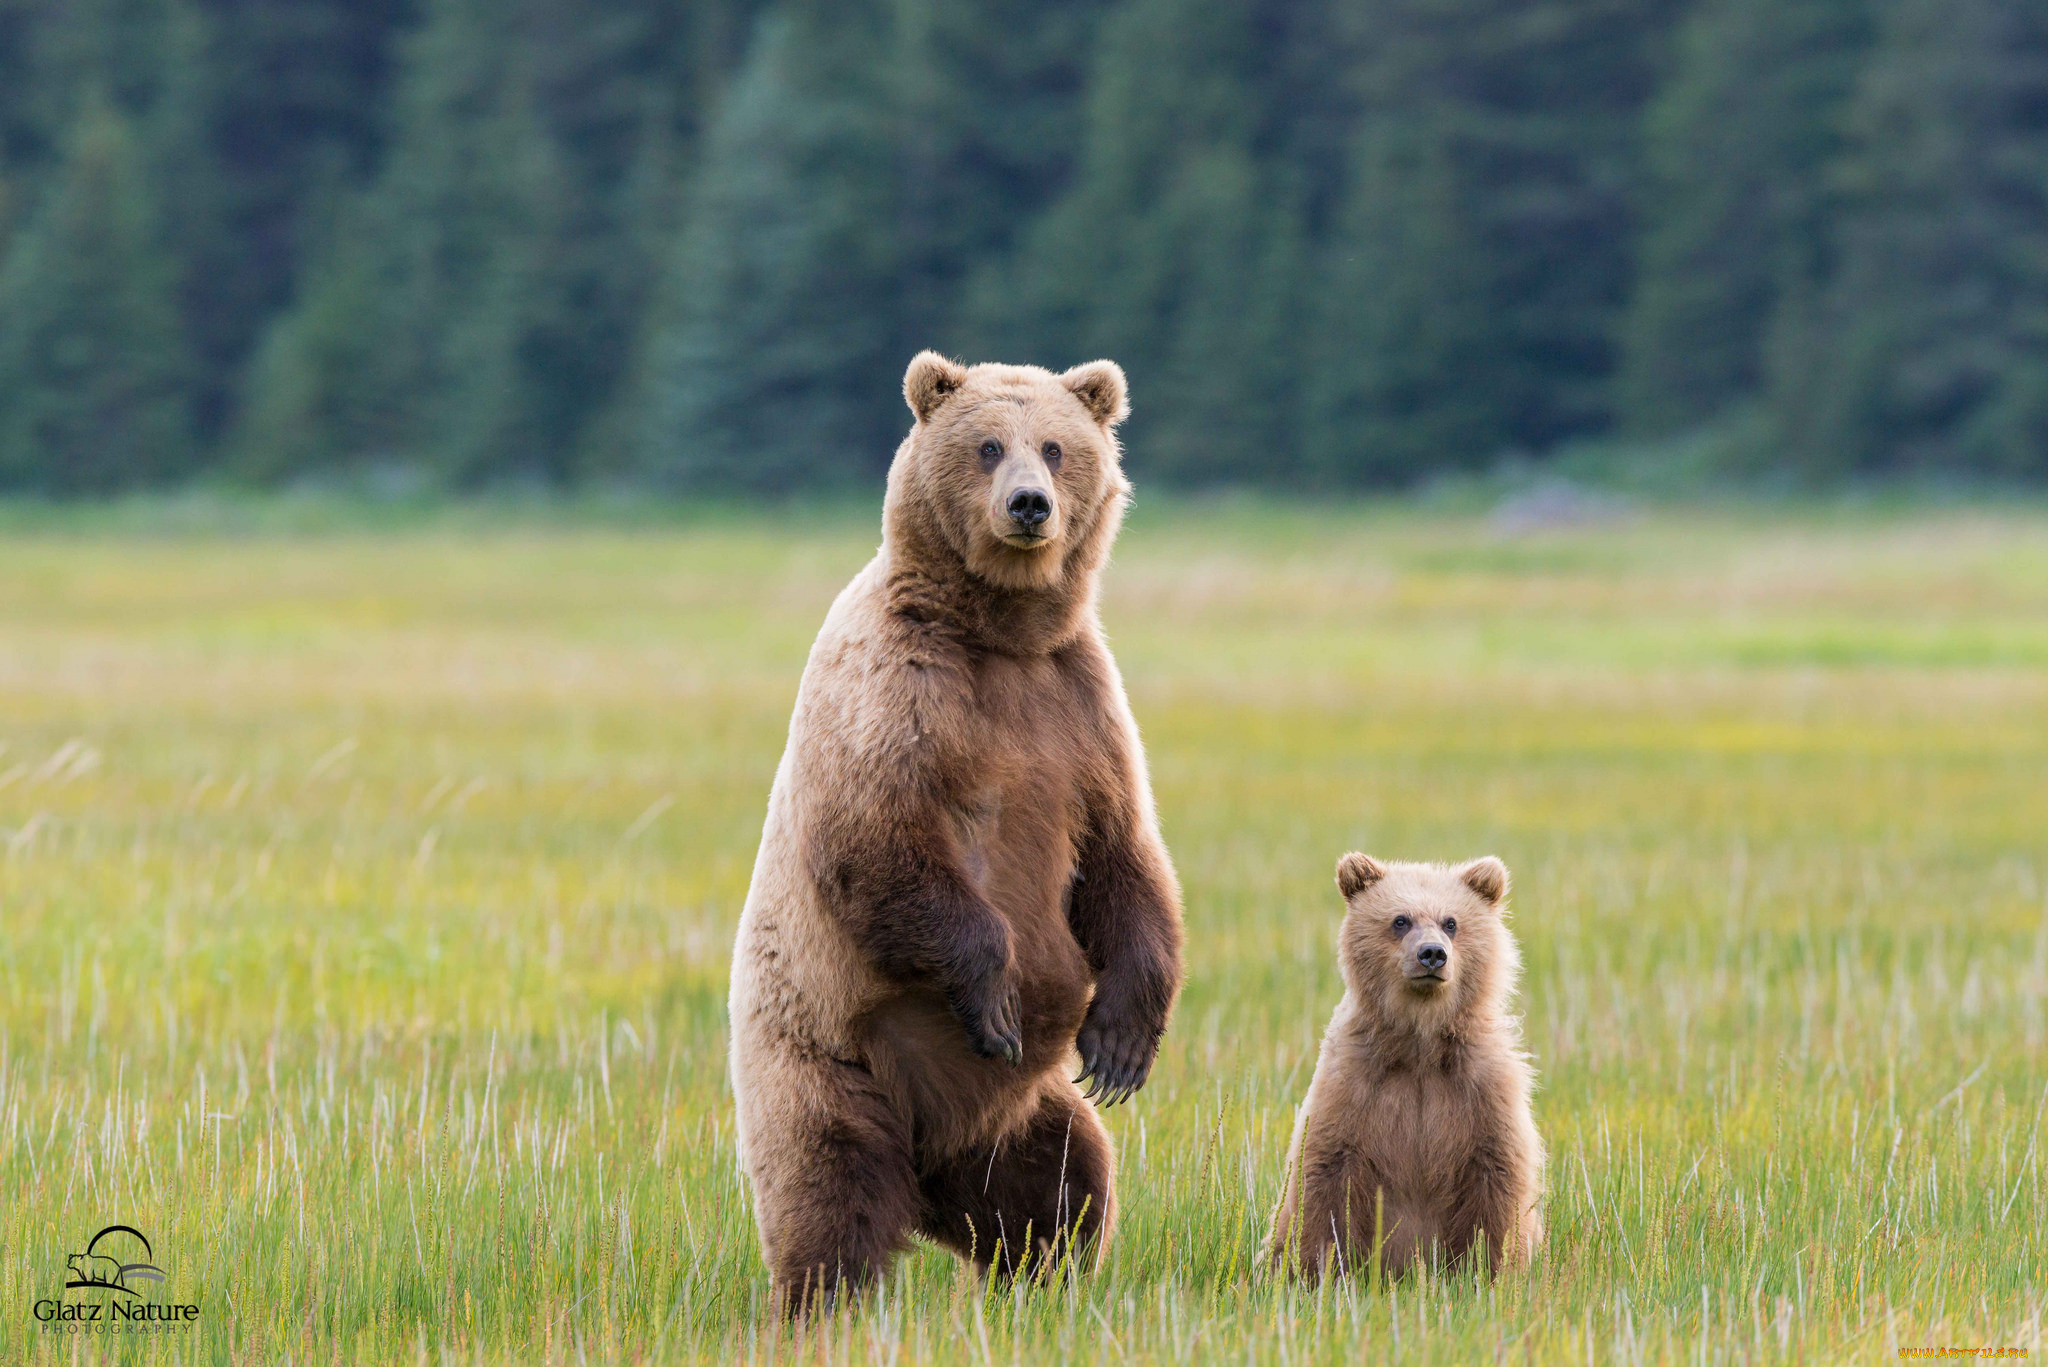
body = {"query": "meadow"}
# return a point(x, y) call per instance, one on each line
point(366, 893)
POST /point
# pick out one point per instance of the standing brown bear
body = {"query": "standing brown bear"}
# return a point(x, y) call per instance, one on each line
point(1415, 1140)
point(961, 881)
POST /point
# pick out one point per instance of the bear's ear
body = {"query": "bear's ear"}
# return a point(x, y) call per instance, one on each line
point(929, 380)
point(1099, 385)
point(1356, 872)
point(1488, 877)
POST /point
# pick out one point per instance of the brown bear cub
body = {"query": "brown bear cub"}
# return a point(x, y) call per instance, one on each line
point(1415, 1136)
point(961, 883)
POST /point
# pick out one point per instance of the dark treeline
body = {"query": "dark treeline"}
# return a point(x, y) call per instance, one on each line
point(692, 245)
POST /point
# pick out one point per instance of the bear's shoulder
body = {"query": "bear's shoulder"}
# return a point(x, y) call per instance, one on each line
point(879, 683)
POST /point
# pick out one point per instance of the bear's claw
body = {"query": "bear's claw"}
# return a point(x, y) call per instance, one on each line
point(1115, 1060)
point(997, 1030)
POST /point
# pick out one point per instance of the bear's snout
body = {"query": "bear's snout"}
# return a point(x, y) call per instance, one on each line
point(1432, 957)
point(1029, 508)
point(1024, 511)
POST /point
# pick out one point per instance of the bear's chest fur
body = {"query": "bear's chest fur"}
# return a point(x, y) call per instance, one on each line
point(1020, 816)
point(1029, 750)
point(1019, 823)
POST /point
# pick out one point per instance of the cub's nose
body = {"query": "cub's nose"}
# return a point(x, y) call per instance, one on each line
point(1028, 508)
point(1432, 957)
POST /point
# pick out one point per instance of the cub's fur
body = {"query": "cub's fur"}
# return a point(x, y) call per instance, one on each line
point(1417, 1121)
point(961, 882)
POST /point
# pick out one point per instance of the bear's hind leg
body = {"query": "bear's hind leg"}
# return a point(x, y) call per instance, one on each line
point(1045, 1193)
point(834, 1191)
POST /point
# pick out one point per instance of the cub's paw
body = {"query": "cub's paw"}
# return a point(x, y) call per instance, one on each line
point(1116, 1055)
point(993, 1017)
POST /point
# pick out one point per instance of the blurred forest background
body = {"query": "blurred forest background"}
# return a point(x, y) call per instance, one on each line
point(691, 246)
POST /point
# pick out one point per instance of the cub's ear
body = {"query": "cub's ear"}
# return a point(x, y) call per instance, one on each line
point(1099, 385)
point(1356, 872)
point(1488, 877)
point(929, 380)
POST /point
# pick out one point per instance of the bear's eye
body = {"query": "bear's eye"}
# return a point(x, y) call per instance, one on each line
point(1401, 925)
point(1450, 925)
point(991, 452)
point(1052, 455)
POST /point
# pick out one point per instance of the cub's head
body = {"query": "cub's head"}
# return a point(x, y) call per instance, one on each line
point(1426, 944)
point(1014, 467)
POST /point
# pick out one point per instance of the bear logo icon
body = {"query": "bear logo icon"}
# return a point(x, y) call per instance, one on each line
point(94, 1269)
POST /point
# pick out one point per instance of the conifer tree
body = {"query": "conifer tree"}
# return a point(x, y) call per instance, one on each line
point(865, 159)
point(94, 383)
point(275, 113)
point(414, 341)
point(1178, 251)
point(1405, 363)
point(474, 312)
point(779, 324)
point(1482, 252)
point(1738, 199)
point(1929, 349)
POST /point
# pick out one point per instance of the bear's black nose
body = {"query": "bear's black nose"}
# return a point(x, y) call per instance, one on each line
point(1432, 957)
point(1029, 507)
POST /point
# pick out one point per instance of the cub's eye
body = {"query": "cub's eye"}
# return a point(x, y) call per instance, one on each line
point(991, 452)
point(1450, 925)
point(1052, 455)
point(1401, 925)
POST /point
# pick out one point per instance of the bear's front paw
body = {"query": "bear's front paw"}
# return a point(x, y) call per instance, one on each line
point(1116, 1055)
point(994, 1020)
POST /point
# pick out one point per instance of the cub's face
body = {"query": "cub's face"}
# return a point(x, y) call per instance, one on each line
point(1425, 940)
point(1016, 464)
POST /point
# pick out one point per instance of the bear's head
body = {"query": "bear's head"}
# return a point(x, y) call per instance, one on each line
point(1426, 945)
point(1012, 470)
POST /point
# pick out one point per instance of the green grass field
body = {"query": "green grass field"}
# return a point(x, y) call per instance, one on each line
point(365, 900)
